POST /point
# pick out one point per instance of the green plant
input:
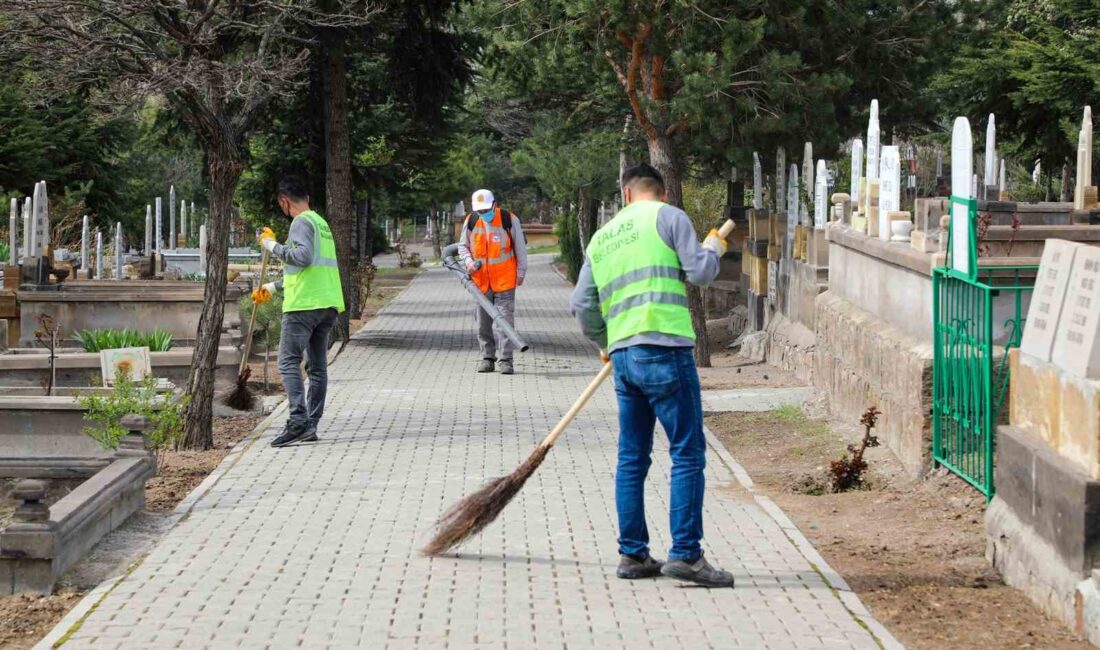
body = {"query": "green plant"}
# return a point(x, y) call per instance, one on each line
point(111, 339)
point(193, 277)
point(268, 328)
point(138, 397)
point(5, 252)
point(570, 242)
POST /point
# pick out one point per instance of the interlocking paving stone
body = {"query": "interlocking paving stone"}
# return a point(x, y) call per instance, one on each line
point(317, 545)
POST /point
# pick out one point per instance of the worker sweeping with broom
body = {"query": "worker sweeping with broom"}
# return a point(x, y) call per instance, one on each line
point(631, 299)
point(313, 299)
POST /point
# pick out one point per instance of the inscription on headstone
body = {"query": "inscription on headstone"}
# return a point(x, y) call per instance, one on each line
point(889, 189)
point(1048, 297)
point(1077, 340)
point(773, 281)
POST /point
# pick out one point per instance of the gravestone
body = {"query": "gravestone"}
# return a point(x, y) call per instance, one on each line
point(85, 242)
point(780, 179)
point(1077, 339)
point(184, 234)
point(889, 189)
point(990, 166)
point(857, 170)
point(98, 255)
point(872, 142)
point(13, 243)
point(160, 227)
point(1048, 298)
point(118, 251)
point(792, 201)
point(962, 166)
point(757, 183)
point(28, 231)
point(808, 174)
point(172, 217)
point(202, 249)
point(148, 230)
point(821, 197)
point(1084, 160)
point(41, 219)
point(773, 282)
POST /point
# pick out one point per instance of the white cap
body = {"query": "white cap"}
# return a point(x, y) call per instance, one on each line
point(482, 200)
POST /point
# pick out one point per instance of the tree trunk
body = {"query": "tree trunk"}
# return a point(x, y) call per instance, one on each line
point(1067, 190)
point(663, 158)
point(225, 170)
point(587, 209)
point(339, 210)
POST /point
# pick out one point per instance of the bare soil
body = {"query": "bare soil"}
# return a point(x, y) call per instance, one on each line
point(730, 371)
point(913, 550)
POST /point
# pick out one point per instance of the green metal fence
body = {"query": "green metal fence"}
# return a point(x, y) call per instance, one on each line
point(977, 318)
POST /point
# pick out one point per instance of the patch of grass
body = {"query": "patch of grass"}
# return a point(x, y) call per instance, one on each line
point(550, 248)
point(789, 413)
point(395, 270)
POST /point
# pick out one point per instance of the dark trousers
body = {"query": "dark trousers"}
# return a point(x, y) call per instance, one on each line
point(305, 333)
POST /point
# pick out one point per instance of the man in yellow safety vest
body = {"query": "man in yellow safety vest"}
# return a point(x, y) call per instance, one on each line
point(631, 299)
point(313, 299)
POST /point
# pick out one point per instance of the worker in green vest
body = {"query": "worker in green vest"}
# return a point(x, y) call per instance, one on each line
point(631, 299)
point(312, 300)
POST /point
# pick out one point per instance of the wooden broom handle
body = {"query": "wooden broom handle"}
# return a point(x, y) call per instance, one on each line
point(604, 373)
point(252, 318)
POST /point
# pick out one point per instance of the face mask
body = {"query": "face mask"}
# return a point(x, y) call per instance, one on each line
point(487, 215)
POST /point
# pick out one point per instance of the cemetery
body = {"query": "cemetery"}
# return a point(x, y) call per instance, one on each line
point(897, 364)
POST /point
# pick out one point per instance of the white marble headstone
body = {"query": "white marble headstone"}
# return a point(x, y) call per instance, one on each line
point(808, 171)
point(41, 219)
point(1048, 297)
point(172, 218)
point(991, 151)
point(821, 196)
point(160, 226)
point(757, 183)
point(1077, 340)
point(780, 179)
point(857, 170)
point(873, 141)
point(889, 197)
point(148, 229)
point(13, 228)
point(792, 201)
point(85, 242)
point(962, 169)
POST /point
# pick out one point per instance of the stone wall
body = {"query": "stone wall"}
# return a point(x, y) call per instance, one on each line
point(860, 361)
point(791, 346)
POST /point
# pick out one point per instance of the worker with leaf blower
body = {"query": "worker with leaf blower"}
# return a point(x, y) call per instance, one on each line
point(631, 299)
point(313, 299)
point(494, 252)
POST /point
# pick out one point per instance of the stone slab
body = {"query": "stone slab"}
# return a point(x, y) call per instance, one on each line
point(1047, 298)
point(1077, 339)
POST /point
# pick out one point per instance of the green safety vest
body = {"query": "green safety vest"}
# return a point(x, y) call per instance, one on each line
point(639, 276)
point(316, 286)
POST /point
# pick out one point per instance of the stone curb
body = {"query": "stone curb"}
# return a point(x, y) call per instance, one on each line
point(834, 580)
point(89, 602)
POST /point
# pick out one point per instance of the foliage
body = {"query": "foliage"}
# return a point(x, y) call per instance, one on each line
point(268, 327)
point(565, 227)
point(847, 473)
point(112, 339)
point(139, 398)
point(5, 252)
point(703, 202)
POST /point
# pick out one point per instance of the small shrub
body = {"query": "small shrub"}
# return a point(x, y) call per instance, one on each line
point(412, 261)
point(5, 252)
point(112, 339)
point(847, 473)
point(141, 398)
point(569, 240)
point(268, 327)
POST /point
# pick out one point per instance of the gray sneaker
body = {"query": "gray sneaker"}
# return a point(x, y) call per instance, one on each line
point(311, 433)
point(506, 367)
point(699, 572)
point(485, 365)
point(633, 569)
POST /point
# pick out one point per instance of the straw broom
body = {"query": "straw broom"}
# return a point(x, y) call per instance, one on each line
point(471, 514)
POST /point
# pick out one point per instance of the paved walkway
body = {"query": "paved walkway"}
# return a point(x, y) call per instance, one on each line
point(317, 545)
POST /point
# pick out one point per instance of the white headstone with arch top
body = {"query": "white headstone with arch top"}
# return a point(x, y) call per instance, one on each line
point(962, 171)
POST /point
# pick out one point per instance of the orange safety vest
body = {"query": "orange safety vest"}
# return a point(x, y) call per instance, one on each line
point(493, 247)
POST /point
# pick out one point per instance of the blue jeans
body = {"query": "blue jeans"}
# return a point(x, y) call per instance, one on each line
point(659, 383)
point(305, 333)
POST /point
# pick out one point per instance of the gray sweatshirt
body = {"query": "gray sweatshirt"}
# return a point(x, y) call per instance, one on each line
point(700, 267)
point(297, 252)
point(519, 245)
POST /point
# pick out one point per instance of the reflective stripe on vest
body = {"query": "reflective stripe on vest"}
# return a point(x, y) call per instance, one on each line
point(492, 245)
point(316, 286)
point(638, 276)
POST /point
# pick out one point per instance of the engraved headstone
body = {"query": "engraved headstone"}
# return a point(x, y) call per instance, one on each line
point(962, 166)
point(148, 229)
point(1084, 160)
point(1077, 340)
point(757, 183)
point(202, 248)
point(118, 250)
point(172, 218)
point(85, 242)
point(792, 201)
point(183, 221)
point(889, 189)
point(773, 281)
point(808, 172)
point(872, 141)
point(98, 255)
point(991, 150)
point(780, 179)
point(1048, 298)
point(821, 196)
point(160, 226)
point(13, 221)
point(41, 219)
point(939, 163)
point(857, 170)
point(28, 230)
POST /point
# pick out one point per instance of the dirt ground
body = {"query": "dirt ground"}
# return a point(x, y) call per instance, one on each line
point(914, 551)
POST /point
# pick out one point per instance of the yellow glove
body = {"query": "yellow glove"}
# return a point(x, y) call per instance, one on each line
point(266, 238)
point(715, 242)
point(260, 296)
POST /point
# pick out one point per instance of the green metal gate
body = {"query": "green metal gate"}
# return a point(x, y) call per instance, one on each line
point(970, 357)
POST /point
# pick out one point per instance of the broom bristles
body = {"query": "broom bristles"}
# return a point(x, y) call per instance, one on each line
point(241, 398)
point(473, 512)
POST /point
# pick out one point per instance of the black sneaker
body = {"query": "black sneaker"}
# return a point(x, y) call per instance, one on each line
point(311, 433)
point(290, 434)
point(631, 568)
point(699, 572)
point(486, 365)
